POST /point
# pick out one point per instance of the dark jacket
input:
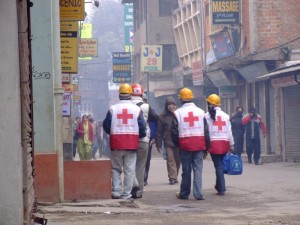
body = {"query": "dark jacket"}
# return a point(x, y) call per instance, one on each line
point(164, 125)
point(238, 129)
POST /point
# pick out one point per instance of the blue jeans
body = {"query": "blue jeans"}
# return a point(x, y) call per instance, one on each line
point(218, 163)
point(122, 160)
point(191, 160)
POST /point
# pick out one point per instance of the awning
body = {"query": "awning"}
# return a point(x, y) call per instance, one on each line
point(253, 71)
point(280, 71)
point(218, 78)
point(162, 92)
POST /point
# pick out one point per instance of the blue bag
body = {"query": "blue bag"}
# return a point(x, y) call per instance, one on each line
point(232, 164)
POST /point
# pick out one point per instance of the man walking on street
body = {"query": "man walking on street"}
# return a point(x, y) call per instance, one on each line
point(124, 123)
point(191, 133)
point(164, 137)
point(142, 153)
point(253, 123)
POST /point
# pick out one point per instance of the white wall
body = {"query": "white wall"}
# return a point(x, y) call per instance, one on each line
point(11, 198)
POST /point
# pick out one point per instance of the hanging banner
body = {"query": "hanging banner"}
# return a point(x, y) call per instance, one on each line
point(121, 67)
point(225, 12)
point(71, 10)
point(151, 58)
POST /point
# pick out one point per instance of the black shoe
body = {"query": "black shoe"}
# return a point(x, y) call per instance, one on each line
point(221, 193)
point(145, 183)
point(172, 182)
point(134, 191)
point(115, 197)
point(256, 163)
point(250, 161)
point(179, 196)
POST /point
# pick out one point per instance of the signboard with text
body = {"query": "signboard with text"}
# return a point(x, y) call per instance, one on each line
point(151, 58)
point(88, 47)
point(71, 10)
point(69, 46)
point(197, 75)
point(121, 67)
point(225, 12)
point(222, 45)
point(128, 27)
point(66, 104)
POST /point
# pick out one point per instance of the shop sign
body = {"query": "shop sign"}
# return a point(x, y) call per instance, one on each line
point(222, 45)
point(66, 104)
point(71, 10)
point(151, 58)
point(121, 67)
point(225, 12)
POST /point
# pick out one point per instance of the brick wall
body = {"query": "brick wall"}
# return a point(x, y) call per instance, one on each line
point(277, 22)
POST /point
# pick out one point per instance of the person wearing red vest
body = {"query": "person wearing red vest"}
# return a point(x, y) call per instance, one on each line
point(190, 132)
point(221, 139)
point(125, 124)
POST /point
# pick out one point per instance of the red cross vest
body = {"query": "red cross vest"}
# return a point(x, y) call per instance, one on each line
point(220, 132)
point(124, 132)
point(190, 127)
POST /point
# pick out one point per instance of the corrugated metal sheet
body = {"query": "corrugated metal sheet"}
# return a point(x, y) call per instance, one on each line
point(272, 119)
point(291, 98)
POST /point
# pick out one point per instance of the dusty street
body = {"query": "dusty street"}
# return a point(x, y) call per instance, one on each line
point(268, 194)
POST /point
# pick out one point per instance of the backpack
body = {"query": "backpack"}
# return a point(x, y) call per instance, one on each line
point(232, 164)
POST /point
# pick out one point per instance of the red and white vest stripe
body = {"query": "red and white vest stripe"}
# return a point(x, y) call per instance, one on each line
point(220, 132)
point(124, 133)
point(190, 127)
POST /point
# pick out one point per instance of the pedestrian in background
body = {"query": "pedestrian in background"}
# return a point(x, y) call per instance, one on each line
point(124, 122)
point(238, 130)
point(152, 126)
point(191, 133)
point(142, 153)
point(75, 135)
point(221, 139)
point(86, 138)
point(163, 136)
point(253, 122)
point(95, 144)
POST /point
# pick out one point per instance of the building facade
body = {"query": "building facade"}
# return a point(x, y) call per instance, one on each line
point(232, 48)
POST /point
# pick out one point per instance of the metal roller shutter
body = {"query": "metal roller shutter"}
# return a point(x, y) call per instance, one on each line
point(291, 98)
point(272, 119)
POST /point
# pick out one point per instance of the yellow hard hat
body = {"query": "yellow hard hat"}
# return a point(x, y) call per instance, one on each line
point(125, 89)
point(186, 94)
point(214, 99)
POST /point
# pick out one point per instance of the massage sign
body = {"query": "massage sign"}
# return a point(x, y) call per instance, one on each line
point(225, 11)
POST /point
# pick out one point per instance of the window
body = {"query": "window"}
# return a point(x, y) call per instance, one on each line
point(166, 7)
point(170, 57)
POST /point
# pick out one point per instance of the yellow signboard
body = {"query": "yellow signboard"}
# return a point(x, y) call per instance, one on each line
point(69, 46)
point(88, 47)
point(71, 10)
point(86, 32)
point(151, 58)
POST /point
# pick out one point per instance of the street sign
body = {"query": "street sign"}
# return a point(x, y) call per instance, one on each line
point(151, 58)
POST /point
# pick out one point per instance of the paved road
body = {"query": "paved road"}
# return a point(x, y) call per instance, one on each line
point(267, 194)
